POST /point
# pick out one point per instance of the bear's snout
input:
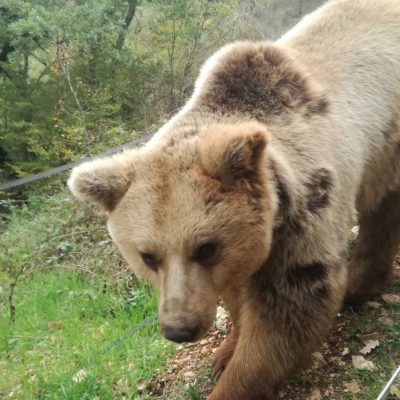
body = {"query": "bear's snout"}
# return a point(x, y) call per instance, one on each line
point(180, 334)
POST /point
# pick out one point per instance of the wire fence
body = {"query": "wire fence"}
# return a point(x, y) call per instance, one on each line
point(54, 171)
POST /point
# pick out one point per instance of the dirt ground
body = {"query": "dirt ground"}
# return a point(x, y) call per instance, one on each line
point(333, 375)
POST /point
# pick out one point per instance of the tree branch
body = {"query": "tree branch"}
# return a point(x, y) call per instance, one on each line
point(130, 13)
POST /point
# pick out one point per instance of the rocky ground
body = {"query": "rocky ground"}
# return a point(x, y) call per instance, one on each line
point(356, 361)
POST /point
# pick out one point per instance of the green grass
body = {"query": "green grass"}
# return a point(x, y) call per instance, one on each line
point(75, 305)
point(87, 331)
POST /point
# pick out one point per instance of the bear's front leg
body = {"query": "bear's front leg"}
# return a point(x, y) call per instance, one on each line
point(274, 343)
point(251, 372)
point(224, 353)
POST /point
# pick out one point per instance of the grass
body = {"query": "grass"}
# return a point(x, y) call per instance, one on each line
point(66, 333)
point(68, 303)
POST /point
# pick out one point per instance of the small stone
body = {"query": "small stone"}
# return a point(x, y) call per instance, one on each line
point(204, 342)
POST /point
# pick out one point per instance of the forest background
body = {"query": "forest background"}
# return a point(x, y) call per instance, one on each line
point(78, 77)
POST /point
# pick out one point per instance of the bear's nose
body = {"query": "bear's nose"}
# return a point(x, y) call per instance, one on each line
point(179, 335)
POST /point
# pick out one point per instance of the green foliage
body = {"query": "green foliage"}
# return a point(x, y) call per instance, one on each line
point(78, 77)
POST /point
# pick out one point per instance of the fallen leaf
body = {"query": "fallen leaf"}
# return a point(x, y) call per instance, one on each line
point(394, 391)
point(352, 387)
point(369, 346)
point(386, 321)
point(315, 395)
point(391, 298)
point(359, 362)
point(369, 336)
point(374, 304)
point(55, 325)
point(318, 360)
point(345, 351)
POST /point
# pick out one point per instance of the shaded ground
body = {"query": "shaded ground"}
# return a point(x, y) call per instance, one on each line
point(333, 376)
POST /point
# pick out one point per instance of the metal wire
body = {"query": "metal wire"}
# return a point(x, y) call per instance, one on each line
point(70, 165)
point(386, 389)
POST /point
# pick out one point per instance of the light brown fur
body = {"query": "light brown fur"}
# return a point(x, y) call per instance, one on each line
point(249, 192)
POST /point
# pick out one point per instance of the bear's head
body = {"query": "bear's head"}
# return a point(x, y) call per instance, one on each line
point(193, 216)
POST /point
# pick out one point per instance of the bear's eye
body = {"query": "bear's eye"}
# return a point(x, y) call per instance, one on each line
point(205, 252)
point(150, 260)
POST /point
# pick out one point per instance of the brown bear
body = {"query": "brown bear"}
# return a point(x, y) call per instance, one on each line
point(249, 192)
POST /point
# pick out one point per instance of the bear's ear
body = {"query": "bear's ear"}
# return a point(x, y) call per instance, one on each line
point(232, 153)
point(103, 181)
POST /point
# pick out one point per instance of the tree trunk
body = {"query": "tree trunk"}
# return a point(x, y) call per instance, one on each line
point(130, 13)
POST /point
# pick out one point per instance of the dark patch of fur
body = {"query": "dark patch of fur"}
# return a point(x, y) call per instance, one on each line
point(393, 127)
point(293, 218)
point(319, 107)
point(108, 194)
point(260, 81)
point(307, 275)
point(319, 188)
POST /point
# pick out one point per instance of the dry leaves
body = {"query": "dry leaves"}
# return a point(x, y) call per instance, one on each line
point(374, 304)
point(359, 362)
point(352, 387)
point(55, 325)
point(369, 346)
point(315, 395)
point(386, 321)
point(391, 298)
point(395, 391)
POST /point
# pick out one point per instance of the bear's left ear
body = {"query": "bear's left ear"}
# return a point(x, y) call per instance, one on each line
point(232, 153)
point(103, 181)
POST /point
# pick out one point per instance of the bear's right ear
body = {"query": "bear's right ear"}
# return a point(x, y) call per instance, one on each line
point(234, 153)
point(103, 181)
